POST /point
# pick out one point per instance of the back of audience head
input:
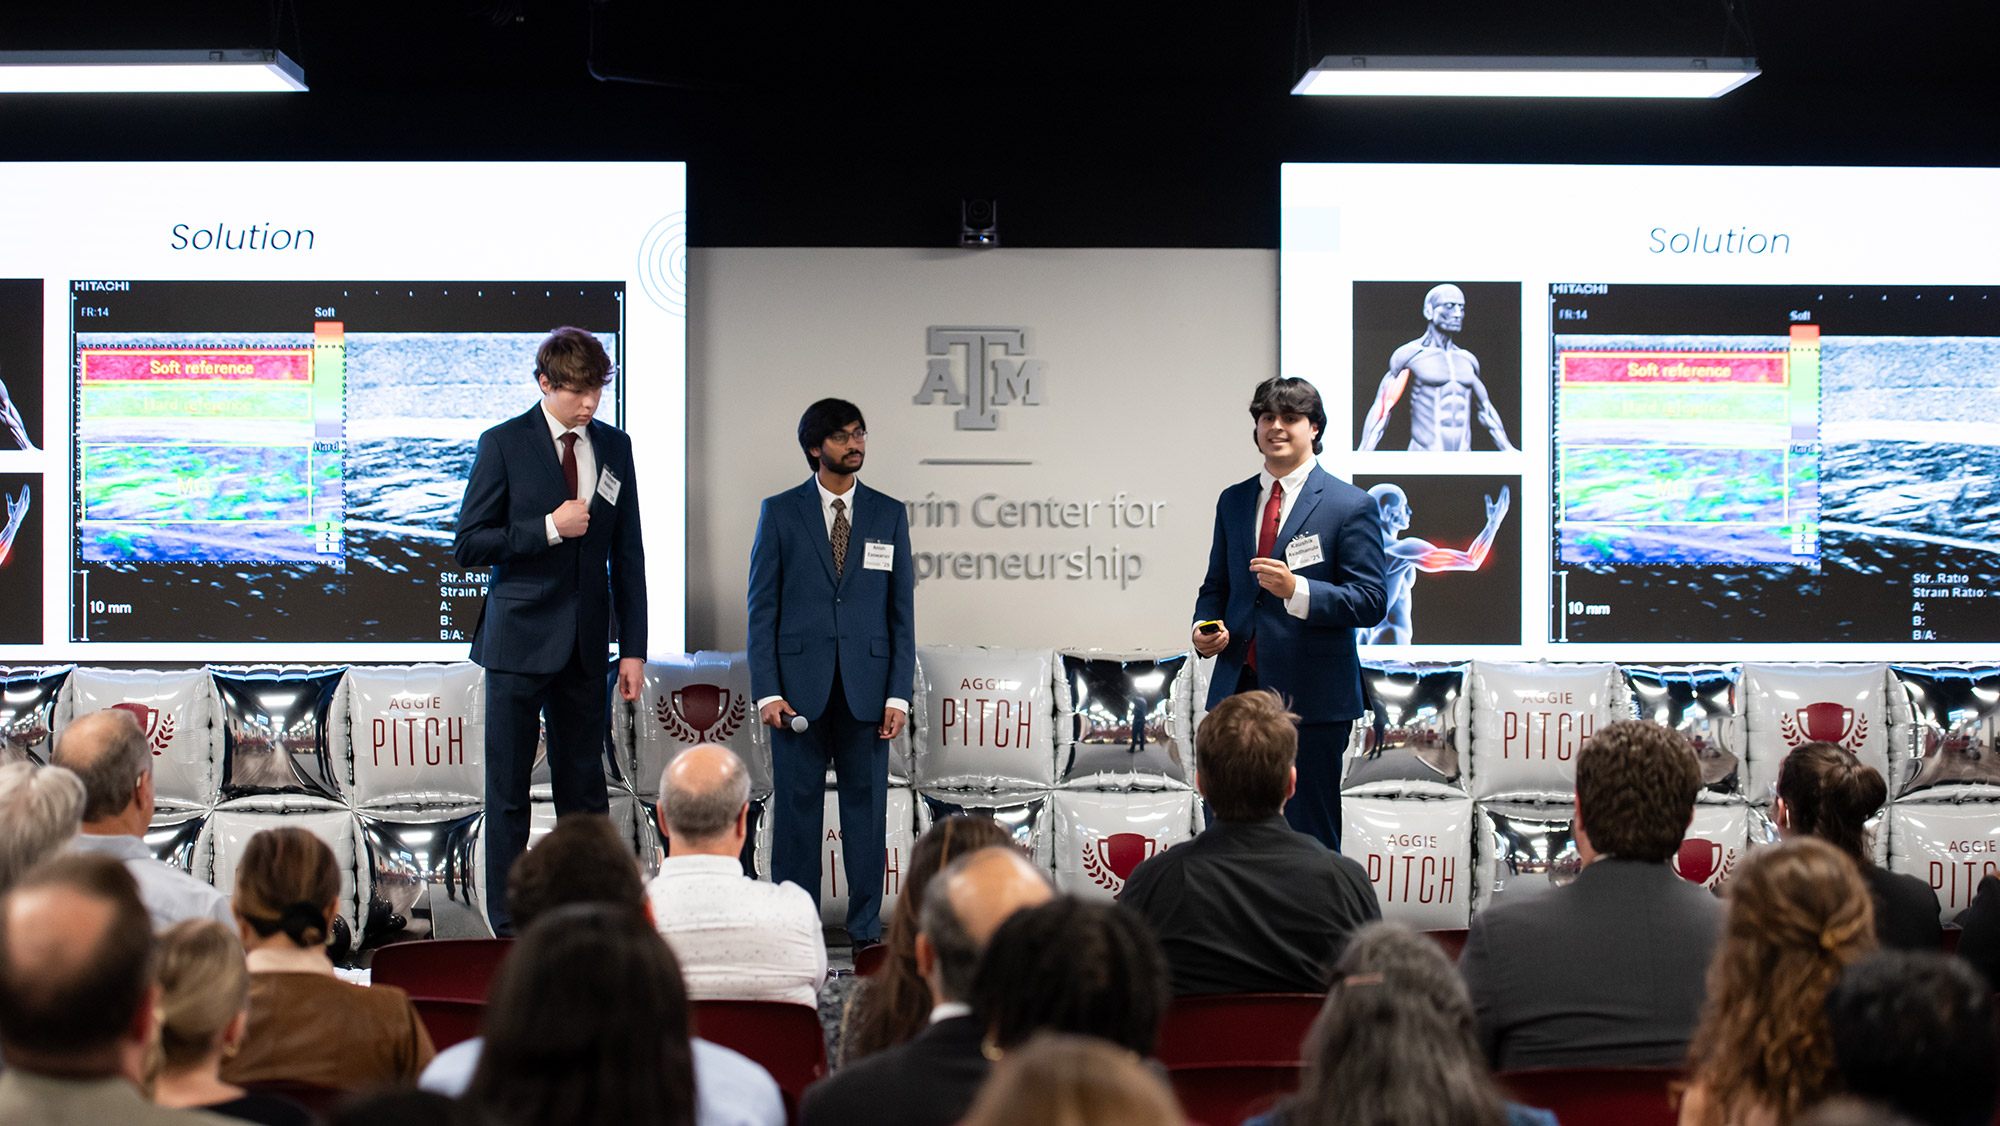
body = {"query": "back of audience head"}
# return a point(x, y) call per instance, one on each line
point(1915, 1031)
point(1635, 788)
point(1826, 791)
point(402, 1106)
point(1245, 757)
point(704, 798)
point(107, 750)
point(1395, 1041)
point(587, 1024)
point(287, 882)
point(581, 860)
point(75, 968)
point(204, 997)
point(1072, 966)
point(963, 907)
point(1057, 1079)
point(41, 809)
point(1798, 913)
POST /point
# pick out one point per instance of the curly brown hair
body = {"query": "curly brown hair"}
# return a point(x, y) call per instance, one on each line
point(1799, 912)
point(1635, 788)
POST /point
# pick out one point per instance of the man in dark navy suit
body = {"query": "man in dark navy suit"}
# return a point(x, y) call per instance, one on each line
point(1295, 569)
point(553, 508)
point(833, 639)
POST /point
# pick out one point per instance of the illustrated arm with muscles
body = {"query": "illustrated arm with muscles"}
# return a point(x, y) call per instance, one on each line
point(12, 416)
point(1489, 417)
point(17, 511)
point(1386, 396)
point(485, 536)
point(1427, 556)
point(766, 576)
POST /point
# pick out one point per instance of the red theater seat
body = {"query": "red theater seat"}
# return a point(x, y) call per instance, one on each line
point(449, 1021)
point(1613, 1096)
point(1230, 1056)
point(871, 959)
point(1451, 942)
point(784, 1037)
point(450, 969)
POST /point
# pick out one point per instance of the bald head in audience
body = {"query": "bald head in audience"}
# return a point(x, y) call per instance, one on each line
point(75, 961)
point(705, 802)
point(963, 906)
point(107, 750)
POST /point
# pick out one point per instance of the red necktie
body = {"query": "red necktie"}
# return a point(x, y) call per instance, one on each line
point(1267, 542)
point(569, 462)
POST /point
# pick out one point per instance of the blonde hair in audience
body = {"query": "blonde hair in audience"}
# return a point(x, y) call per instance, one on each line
point(203, 983)
point(1059, 1079)
point(1799, 912)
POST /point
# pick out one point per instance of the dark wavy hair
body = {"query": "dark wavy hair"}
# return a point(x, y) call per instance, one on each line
point(587, 1025)
point(895, 1004)
point(1281, 395)
point(1831, 794)
point(822, 419)
point(1072, 966)
point(1635, 788)
point(1913, 1029)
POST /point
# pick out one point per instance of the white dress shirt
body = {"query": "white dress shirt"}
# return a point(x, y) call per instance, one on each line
point(738, 939)
point(826, 499)
point(1301, 600)
point(169, 894)
point(586, 465)
point(730, 1088)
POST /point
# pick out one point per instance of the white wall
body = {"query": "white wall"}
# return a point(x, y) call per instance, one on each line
point(1149, 358)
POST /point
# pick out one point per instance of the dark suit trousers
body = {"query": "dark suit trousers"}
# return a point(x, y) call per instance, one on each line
point(575, 700)
point(1314, 808)
point(860, 763)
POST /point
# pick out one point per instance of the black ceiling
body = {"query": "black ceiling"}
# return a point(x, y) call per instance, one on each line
point(1092, 122)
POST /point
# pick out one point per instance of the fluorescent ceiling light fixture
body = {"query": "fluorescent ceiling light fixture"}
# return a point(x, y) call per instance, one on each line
point(149, 72)
point(1494, 76)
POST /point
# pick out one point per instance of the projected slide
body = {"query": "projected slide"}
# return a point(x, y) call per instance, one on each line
point(236, 481)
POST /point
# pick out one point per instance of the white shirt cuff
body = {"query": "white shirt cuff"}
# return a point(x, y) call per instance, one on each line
point(1300, 603)
point(900, 705)
point(549, 526)
point(766, 700)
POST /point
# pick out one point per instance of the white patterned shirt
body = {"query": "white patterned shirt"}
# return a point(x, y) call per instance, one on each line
point(169, 894)
point(737, 938)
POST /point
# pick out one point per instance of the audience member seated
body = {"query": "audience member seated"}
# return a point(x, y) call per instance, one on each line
point(1071, 966)
point(203, 1008)
point(40, 811)
point(76, 1004)
point(402, 1106)
point(584, 860)
point(736, 938)
point(1825, 791)
point(587, 1025)
point(1606, 972)
point(1799, 912)
point(1914, 1031)
point(1060, 1080)
point(895, 1004)
point(307, 1025)
point(931, 1079)
point(1249, 905)
point(1397, 1041)
point(1979, 931)
point(107, 750)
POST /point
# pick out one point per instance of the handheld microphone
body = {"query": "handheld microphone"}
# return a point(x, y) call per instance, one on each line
point(798, 723)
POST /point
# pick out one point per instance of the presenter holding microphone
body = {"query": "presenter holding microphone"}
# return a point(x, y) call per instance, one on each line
point(832, 642)
point(1295, 569)
point(553, 508)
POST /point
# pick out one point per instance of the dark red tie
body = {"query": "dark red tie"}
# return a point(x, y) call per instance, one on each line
point(569, 462)
point(1267, 542)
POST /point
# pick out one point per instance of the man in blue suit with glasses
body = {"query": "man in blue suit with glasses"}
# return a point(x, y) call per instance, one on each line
point(833, 642)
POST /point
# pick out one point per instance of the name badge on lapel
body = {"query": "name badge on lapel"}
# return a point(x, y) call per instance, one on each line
point(608, 486)
point(1303, 551)
point(879, 556)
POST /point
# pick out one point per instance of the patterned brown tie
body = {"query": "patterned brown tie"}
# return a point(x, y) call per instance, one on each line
point(840, 530)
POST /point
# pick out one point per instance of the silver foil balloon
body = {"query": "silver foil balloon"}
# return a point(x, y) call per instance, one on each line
point(1948, 748)
point(696, 698)
point(1100, 837)
point(275, 737)
point(424, 880)
point(1117, 724)
point(1523, 850)
point(174, 838)
point(983, 718)
point(1411, 739)
point(1699, 701)
point(1023, 814)
point(27, 713)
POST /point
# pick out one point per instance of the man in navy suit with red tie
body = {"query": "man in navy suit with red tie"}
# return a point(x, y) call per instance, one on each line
point(833, 639)
point(1295, 569)
point(552, 507)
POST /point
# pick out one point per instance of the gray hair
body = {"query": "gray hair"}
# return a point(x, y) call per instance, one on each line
point(696, 816)
point(110, 761)
point(40, 811)
point(938, 921)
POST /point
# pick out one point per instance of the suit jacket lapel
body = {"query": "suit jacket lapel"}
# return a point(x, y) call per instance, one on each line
point(544, 447)
point(859, 534)
point(815, 518)
point(1302, 508)
point(1241, 534)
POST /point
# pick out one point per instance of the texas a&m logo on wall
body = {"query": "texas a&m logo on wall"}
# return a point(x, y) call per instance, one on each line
point(700, 713)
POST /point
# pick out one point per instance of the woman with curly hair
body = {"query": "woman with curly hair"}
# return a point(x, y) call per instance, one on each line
point(1799, 912)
